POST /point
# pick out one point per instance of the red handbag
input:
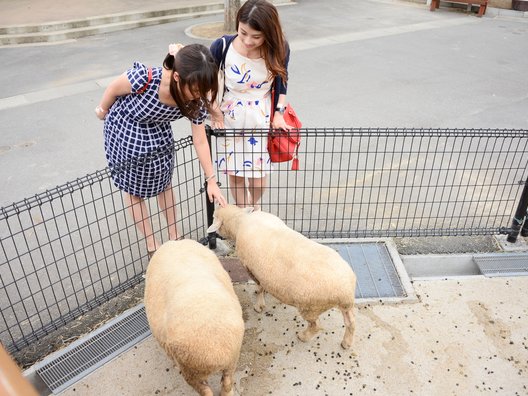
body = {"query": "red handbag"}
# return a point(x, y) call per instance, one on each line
point(283, 145)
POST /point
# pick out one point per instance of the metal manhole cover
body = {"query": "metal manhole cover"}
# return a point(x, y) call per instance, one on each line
point(377, 276)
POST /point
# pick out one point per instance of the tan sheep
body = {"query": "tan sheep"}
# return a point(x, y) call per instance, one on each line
point(294, 269)
point(194, 313)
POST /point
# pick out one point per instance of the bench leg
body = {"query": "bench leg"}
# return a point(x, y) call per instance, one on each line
point(482, 10)
point(434, 5)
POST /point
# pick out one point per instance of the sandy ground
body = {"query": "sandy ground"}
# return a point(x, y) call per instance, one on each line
point(465, 336)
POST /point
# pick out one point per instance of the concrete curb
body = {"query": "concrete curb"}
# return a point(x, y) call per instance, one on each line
point(501, 12)
point(60, 31)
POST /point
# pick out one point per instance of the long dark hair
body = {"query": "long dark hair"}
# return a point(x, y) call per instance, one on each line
point(261, 15)
point(198, 71)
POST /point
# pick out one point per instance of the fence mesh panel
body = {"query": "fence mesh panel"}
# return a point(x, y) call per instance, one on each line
point(68, 250)
point(394, 182)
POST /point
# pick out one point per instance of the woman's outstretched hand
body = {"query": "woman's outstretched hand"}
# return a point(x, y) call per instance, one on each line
point(213, 192)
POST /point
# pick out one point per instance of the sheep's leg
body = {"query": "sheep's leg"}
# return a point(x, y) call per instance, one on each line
point(350, 327)
point(261, 293)
point(261, 303)
point(227, 382)
point(313, 326)
point(198, 382)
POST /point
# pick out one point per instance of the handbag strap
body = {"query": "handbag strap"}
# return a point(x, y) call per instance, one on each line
point(272, 112)
point(144, 88)
point(224, 53)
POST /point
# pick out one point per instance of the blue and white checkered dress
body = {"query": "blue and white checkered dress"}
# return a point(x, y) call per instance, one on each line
point(136, 125)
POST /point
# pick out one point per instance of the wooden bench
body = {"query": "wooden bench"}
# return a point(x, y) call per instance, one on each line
point(483, 4)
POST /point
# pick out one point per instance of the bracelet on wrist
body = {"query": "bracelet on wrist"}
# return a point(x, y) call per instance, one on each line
point(210, 177)
point(99, 109)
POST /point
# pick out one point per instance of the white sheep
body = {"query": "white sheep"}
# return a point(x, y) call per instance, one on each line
point(294, 269)
point(194, 313)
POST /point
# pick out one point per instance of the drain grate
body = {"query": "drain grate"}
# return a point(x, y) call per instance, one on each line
point(84, 356)
point(377, 276)
point(502, 264)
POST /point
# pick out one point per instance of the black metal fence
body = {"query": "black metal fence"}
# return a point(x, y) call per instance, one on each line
point(70, 249)
point(383, 182)
point(66, 251)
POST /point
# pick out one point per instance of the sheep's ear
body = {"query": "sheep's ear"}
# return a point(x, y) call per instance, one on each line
point(215, 226)
point(249, 210)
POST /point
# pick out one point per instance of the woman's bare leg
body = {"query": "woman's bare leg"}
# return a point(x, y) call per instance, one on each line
point(257, 186)
point(139, 212)
point(237, 186)
point(167, 203)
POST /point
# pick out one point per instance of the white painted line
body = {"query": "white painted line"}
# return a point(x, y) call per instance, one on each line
point(382, 32)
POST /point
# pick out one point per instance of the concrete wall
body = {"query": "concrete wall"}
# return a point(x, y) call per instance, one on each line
point(506, 4)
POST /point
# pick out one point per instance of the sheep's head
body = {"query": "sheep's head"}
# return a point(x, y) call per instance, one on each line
point(226, 220)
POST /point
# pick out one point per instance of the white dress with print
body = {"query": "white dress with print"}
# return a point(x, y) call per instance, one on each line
point(246, 105)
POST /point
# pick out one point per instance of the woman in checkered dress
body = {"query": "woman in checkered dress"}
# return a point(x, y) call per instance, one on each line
point(137, 109)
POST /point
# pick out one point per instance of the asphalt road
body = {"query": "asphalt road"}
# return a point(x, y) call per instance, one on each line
point(354, 64)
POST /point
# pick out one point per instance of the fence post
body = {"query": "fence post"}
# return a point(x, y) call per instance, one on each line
point(520, 216)
point(209, 206)
point(524, 230)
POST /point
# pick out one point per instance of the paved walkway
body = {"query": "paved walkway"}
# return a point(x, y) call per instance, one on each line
point(25, 12)
point(464, 337)
point(22, 12)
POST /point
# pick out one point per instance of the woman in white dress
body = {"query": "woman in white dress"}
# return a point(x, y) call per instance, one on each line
point(255, 61)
